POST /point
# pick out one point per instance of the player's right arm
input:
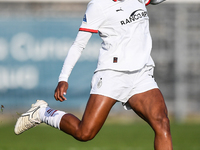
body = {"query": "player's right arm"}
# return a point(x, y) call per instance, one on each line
point(91, 22)
point(70, 61)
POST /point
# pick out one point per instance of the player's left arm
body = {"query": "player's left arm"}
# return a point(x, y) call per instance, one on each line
point(153, 2)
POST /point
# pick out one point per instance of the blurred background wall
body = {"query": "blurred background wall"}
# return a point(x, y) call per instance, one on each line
point(35, 36)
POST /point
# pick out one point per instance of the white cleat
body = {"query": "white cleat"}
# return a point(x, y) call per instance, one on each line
point(29, 119)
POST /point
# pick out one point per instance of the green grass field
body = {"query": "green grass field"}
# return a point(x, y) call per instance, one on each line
point(131, 136)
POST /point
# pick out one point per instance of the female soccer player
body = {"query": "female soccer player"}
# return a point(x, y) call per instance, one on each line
point(124, 74)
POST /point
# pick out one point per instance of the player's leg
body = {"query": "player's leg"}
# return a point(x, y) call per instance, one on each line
point(151, 107)
point(96, 112)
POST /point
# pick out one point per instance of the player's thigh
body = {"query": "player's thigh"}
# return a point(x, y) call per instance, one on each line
point(149, 105)
point(96, 112)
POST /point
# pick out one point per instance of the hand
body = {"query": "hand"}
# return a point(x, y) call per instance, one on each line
point(60, 91)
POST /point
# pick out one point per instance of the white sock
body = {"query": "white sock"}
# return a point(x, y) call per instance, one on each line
point(51, 117)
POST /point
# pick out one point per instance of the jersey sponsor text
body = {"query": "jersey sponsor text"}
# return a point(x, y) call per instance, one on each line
point(136, 15)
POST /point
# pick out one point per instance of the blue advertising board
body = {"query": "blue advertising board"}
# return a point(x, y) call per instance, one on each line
point(32, 52)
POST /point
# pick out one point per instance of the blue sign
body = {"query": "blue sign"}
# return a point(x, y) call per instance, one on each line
point(32, 53)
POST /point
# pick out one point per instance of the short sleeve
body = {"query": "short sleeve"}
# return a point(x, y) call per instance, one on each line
point(93, 18)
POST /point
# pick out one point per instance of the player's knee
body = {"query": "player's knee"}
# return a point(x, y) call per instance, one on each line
point(85, 136)
point(162, 124)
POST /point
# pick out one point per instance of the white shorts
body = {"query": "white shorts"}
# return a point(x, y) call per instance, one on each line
point(121, 85)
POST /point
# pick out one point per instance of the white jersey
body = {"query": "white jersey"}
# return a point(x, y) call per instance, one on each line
point(124, 28)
